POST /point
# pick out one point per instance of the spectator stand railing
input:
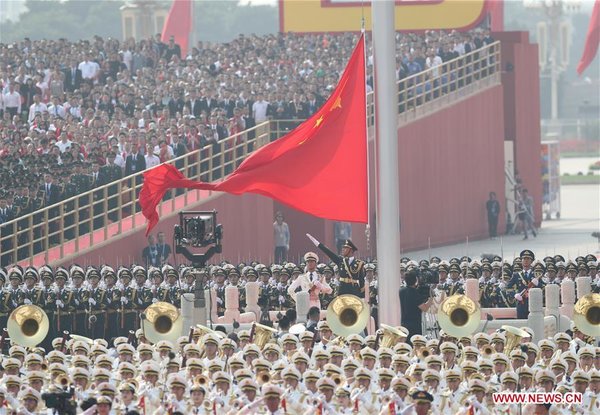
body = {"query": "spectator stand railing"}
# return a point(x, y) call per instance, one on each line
point(89, 219)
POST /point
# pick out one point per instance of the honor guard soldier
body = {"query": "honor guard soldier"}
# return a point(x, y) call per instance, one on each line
point(113, 302)
point(127, 311)
point(79, 304)
point(31, 293)
point(64, 296)
point(351, 269)
point(96, 305)
point(264, 289)
point(219, 289)
point(49, 299)
point(189, 280)
point(170, 291)
point(284, 299)
point(522, 282)
point(327, 272)
point(3, 300)
point(144, 293)
point(373, 291)
point(15, 294)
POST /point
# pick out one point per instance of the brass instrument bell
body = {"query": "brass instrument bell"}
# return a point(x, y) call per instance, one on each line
point(390, 335)
point(347, 314)
point(163, 322)
point(514, 336)
point(459, 316)
point(28, 325)
point(262, 334)
point(586, 314)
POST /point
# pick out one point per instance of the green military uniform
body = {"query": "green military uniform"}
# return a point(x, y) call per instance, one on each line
point(127, 312)
point(3, 301)
point(144, 293)
point(97, 303)
point(79, 303)
point(112, 297)
point(49, 304)
point(25, 205)
point(64, 297)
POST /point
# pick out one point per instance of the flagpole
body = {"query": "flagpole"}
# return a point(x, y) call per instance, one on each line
point(387, 185)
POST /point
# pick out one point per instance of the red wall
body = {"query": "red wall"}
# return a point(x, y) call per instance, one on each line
point(520, 80)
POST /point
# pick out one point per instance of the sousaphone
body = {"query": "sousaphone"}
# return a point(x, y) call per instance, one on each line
point(28, 325)
point(459, 316)
point(586, 314)
point(163, 321)
point(347, 314)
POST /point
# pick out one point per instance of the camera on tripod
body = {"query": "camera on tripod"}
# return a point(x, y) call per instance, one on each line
point(61, 401)
point(198, 229)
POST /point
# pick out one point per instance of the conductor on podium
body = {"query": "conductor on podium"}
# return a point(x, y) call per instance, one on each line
point(351, 269)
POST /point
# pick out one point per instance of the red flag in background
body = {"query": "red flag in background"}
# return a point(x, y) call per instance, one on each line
point(319, 168)
point(179, 24)
point(592, 40)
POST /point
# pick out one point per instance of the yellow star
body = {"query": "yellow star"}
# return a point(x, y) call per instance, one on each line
point(336, 104)
point(318, 122)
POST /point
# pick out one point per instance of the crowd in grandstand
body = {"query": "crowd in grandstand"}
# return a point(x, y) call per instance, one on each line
point(72, 108)
point(118, 371)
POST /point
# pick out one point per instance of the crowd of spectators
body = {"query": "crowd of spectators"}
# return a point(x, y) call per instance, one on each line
point(65, 105)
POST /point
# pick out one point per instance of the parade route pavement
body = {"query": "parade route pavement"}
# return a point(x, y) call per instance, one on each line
point(570, 236)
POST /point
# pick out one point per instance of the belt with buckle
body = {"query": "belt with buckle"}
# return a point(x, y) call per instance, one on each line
point(349, 281)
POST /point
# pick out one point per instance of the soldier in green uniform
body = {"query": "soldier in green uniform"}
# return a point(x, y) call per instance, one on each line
point(156, 280)
point(69, 190)
point(351, 269)
point(83, 183)
point(32, 294)
point(3, 301)
point(80, 301)
point(16, 297)
point(453, 285)
point(49, 306)
point(284, 300)
point(97, 304)
point(170, 291)
point(265, 289)
point(144, 293)
point(189, 280)
point(233, 276)
point(219, 289)
point(327, 272)
point(111, 173)
point(64, 297)
point(128, 312)
point(113, 303)
point(371, 278)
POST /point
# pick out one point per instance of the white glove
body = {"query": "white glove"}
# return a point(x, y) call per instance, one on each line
point(154, 300)
point(76, 302)
point(27, 301)
point(313, 240)
point(59, 303)
point(501, 285)
point(219, 301)
point(518, 297)
point(535, 281)
point(124, 300)
point(109, 300)
point(281, 299)
point(92, 301)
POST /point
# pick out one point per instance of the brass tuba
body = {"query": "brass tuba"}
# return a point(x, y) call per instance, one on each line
point(390, 335)
point(586, 314)
point(163, 321)
point(459, 316)
point(514, 336)
point(28, 325)
point(262, 334)
point(347, 314)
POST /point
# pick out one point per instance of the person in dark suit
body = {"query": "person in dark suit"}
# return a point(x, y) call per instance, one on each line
point(111, 173)
point(97, 181)
point(73, 77)
point(172, 49)
point(135, 163)
point(208, 103)
point(8, 212)
point(52, 195)
point(194, 104)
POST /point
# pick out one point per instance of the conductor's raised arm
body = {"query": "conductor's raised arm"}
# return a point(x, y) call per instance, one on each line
point(332, 255)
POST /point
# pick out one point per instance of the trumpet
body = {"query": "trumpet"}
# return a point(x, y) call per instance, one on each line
point(263, 377)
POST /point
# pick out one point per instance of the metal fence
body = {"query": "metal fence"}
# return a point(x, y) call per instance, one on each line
point(83, 221)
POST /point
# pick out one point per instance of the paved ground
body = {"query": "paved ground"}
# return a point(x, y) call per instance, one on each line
point(570, 236)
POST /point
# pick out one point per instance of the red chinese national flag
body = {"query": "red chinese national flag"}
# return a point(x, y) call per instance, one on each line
point(318, 168)
point(592, 40)
point(179, 24)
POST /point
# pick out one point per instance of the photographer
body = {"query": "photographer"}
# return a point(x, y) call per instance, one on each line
point(413, 303)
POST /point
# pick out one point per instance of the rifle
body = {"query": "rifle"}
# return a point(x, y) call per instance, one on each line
point(190, 338)
point(252, 330)
point(63, 342)
point(4, 333)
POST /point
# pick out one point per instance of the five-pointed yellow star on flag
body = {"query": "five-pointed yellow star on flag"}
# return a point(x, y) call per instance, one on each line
point(336, 104)
point(318, 122)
